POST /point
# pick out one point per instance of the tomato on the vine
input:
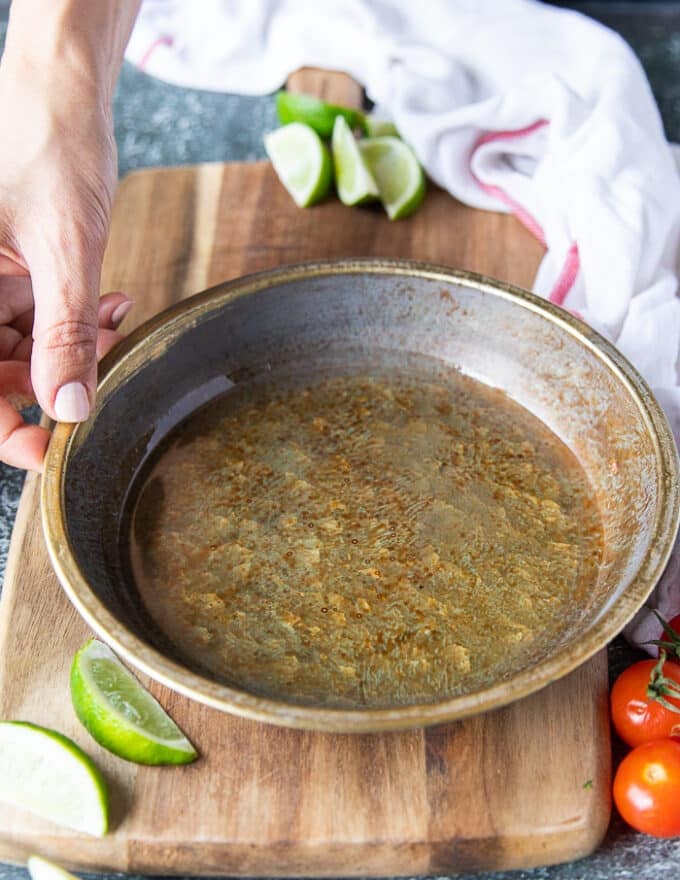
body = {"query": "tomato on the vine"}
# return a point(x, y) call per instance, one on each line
point(671, 635)
point(646, 788)
point(645, 701)
point(669, 640)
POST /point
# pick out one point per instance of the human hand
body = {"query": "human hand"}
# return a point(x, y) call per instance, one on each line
point(56, 185)
point(58, 173)
point(24, 445)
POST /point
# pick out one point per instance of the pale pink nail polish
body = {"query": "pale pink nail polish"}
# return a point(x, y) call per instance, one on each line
point(120, 312)
point(72, 403)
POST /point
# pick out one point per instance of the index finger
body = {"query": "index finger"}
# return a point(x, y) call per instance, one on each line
point(21, 445)
point(8, 266)
point(16, 297)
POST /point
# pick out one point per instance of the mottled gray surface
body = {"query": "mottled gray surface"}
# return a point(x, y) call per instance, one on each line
point(158, 124)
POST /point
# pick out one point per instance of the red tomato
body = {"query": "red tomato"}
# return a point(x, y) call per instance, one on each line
point(637, 701)
point(647, 788)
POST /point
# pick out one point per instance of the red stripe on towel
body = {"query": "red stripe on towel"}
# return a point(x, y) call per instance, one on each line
point(161, 41)
point(571, 267)
point(567, 276)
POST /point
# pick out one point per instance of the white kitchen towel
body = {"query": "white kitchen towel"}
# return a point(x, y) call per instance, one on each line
point(511, 105)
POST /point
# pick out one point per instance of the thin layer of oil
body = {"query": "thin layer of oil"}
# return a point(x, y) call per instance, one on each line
point(364, 540)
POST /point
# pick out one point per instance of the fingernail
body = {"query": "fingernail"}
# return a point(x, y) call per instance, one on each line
point(71, 403)
point(120, 312)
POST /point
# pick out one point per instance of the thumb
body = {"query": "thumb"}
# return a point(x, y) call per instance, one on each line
point(64, 357)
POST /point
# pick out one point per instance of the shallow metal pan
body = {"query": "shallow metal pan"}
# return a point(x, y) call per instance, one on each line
point(547, 360)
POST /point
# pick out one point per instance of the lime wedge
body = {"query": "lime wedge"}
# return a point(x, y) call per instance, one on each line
point(316, 113)
point(301, 160)
point(120, 714)
point(380, 128)
point(353, 180)
point(47, 774)
point(400, 178)
point(42, 869)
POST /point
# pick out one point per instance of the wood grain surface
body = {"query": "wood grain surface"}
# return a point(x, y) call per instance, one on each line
point(522, 786)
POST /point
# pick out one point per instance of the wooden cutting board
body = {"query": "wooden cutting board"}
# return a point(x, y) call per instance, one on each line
point(522, 786)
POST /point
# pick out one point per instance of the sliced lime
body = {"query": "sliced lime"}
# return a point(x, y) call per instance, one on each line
point(292, 107)
point(396, 169)
point(302, 162)
point(46, 773)
point(380, 128)
point(353, 180)
point(120, 714)
point(42, 869)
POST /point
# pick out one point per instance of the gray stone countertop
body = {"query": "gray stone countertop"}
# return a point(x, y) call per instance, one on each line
point(158, 124)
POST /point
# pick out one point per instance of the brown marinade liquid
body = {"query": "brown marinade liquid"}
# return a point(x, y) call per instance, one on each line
point(364, 540)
